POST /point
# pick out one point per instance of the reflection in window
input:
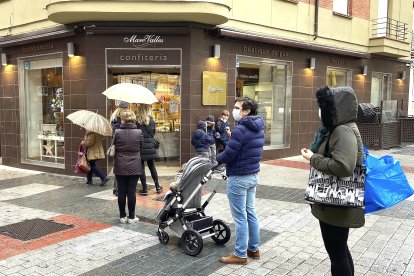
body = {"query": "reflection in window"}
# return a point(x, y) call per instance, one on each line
point(269, 83)
point(341, 6)
point(42, 117)
point(336, 77)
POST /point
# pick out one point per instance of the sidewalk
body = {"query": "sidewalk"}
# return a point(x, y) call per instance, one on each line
point(90, 240)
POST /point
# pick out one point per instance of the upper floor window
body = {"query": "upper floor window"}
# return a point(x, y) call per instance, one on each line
point(341, 6)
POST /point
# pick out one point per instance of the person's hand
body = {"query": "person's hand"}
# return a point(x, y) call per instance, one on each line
point(83, 142)
point(306, 153)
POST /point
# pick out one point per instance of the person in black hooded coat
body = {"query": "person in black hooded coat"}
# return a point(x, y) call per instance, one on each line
point(149, 153)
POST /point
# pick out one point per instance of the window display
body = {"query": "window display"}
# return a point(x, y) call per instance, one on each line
point(166, 113)
point(42, 116)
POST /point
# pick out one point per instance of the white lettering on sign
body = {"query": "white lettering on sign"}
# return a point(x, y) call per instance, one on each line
point(142, 57)
point(214, 90)
point(145, 41)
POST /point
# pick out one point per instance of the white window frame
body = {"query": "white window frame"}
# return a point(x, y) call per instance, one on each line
point(341, 6)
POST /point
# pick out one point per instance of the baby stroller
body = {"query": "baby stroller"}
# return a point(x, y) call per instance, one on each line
point(191, 226)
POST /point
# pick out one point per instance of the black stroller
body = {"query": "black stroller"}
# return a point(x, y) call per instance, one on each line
point(191, 226)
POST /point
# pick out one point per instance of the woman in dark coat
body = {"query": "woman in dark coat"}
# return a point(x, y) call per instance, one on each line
point(116, 124)
point(128, 141)
point(147, 124)
point(338, 112)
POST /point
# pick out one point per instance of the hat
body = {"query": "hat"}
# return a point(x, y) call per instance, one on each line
point(123, 104)
point(210, 118)
point(201, 125)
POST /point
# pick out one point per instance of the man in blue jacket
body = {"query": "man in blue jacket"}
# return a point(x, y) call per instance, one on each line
point(242, 158)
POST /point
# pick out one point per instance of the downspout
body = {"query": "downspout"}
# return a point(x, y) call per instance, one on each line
point(315, 34)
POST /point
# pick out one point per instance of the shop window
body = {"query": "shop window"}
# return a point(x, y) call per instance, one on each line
point(336, 77)
point(269, 82)
point(380, 88)
point(341, 6)
point(165, 84)
point(41, 110)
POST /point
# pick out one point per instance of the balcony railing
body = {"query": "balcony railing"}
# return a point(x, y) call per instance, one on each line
point(390, 28)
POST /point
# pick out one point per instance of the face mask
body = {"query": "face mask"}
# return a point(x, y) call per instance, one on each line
point(236, 114)
point(320, 117)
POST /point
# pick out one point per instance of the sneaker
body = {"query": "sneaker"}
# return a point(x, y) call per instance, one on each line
point(134, 220)
point(159, 190)
point(89, 182)
point(143, 192)
point(103, 183)
point(123, 220)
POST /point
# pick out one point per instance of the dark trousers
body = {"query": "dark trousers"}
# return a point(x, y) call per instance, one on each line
point(94, 170)
point(127, 187)
point(335, 240)
point(154, 174)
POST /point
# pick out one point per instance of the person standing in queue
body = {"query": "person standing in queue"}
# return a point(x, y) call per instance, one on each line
point(128, 141)
point(242, 158)
point(149, 153)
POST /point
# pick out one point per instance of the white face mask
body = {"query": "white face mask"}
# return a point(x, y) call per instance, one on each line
point(236, 114)
point(320, 117)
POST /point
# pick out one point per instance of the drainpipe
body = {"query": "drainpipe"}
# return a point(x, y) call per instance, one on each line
point(315, 34)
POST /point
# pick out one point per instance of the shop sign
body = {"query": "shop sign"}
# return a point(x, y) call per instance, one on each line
point(214, 88)
point(144, 41)
point(264, 51)
point(248, 74)
point(340, 61)
point(38, 47)
point(143, 56)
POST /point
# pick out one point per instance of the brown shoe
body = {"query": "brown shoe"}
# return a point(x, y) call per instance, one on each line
point(232, 259)
point(253, 255)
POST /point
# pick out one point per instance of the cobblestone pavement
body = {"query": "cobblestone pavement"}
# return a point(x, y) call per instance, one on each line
point(96, 244)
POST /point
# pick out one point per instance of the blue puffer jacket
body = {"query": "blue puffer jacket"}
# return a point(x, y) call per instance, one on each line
point(201, 140)
point(245, 147)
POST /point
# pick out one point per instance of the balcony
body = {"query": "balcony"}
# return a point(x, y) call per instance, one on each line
point(389, 38)
point(213, 12)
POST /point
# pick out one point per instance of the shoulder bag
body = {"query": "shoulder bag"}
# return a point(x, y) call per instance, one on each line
point(111, 149)
point(82, 164)
point(327, 189)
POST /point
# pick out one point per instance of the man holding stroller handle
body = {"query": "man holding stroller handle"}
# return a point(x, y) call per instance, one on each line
point(242, 158)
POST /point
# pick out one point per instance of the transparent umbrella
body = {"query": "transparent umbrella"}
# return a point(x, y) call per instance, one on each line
point(130, 93)
point(91, 121)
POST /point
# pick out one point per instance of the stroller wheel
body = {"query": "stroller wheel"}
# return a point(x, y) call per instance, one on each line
point(163, 237)
point(192, 242)
point(222, 232)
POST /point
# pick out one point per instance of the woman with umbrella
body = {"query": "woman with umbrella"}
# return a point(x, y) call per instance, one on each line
point(147, 124)
point(94, 151)
point(96, 126)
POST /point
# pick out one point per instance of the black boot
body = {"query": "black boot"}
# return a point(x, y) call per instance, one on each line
point(144, 190)
point(158, 187)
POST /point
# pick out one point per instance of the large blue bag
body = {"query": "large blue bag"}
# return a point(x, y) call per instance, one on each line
point(385, 183)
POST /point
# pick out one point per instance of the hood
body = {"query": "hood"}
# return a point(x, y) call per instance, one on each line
point(254, 123)
point(338, 105)
point(210, 118)
point(201, 125)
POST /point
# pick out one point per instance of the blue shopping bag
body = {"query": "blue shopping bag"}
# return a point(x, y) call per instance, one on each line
point(385, 183)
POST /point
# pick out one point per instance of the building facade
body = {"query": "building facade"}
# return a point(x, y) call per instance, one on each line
point(196, 56)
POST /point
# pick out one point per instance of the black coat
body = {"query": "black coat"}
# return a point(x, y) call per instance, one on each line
point(148, 152)
point(128, 143)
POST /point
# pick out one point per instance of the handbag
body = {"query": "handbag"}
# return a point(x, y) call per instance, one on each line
point(82, 163)
point(156, 143)
point(111, 149)
point(347, 191)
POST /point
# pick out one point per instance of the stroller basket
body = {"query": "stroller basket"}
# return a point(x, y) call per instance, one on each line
point(191, 226)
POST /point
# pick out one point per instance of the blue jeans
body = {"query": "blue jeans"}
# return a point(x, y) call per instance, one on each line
point(94, 170)
point(241, 192)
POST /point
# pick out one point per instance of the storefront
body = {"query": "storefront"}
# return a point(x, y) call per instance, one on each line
point(42, 85)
